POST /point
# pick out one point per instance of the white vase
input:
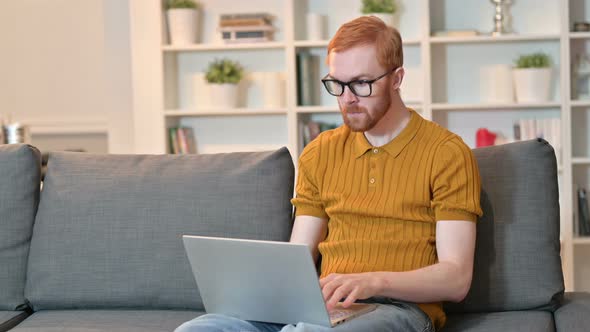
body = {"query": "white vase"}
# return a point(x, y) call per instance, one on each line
point(182, 25)
point(496, 84)
point(224, 96)
point(389, 19)
point(532, 85)
point(273, 89)
point(315, 26)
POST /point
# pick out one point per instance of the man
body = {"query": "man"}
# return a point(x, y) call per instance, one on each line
point(389, 199)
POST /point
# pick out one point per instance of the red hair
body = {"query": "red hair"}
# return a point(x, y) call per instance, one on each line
point(370, 30)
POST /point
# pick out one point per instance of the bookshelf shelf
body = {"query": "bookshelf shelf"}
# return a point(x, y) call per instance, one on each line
point(582, 240)
point(579, 35)
point(492, 107)
point(580, 161)
point(231, 112)
point(317, 109)
point(490, 39)
point(224, 47)
point(324, 43)
point(580, 103)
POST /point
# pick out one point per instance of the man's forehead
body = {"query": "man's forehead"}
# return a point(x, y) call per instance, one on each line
point(354, 62)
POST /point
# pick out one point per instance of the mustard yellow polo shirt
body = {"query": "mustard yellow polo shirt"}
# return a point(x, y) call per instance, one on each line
point(383, 202)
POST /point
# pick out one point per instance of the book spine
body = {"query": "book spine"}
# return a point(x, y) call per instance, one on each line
point(584, 212)
point(173, 140)
point(305, 79)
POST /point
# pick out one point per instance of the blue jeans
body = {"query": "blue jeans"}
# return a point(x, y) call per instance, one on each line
point(390, 315)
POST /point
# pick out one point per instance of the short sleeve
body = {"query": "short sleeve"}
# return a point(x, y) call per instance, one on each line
point(455, 182)
point(307, 199)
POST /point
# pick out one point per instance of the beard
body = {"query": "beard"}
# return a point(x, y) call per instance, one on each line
point(360, 119)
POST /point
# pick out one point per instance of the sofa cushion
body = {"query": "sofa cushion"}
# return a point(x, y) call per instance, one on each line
point(574, 314)
point(517, 321)
point(9, 319)
point(20, 167)
point(109, 228)
point(105, 321)
point(517, 259)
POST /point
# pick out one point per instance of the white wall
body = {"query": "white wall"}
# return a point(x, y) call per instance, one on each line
point(62, 65)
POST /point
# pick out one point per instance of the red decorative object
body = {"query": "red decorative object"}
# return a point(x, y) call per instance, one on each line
point(484, 137)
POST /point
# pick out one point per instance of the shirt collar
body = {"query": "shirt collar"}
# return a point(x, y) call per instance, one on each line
point(395, 146)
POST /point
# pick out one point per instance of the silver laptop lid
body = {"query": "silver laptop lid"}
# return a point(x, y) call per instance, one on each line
point(257, 280)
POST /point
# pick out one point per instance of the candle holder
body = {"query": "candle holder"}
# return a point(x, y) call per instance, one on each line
point(500, 18)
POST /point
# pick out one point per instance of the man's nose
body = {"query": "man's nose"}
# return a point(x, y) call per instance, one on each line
point(349, 97)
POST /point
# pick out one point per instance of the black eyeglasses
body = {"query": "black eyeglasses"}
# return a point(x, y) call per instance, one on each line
point(361, 88)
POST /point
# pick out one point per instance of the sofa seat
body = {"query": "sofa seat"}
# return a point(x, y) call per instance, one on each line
point(9, 319)
point(105, 320)
point(518, 321)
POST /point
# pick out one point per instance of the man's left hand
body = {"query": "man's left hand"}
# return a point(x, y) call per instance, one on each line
point(351, 287)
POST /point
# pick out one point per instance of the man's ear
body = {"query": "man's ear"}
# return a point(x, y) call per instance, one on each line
point(398, 77)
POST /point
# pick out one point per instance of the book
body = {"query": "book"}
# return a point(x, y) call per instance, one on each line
point(456, 33)
point(247, 34)
point(173, 140)
point(583, 212)
point(182, 140)
point(307, 79)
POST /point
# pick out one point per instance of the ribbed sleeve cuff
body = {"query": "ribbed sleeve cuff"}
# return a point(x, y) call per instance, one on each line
point(455, 215)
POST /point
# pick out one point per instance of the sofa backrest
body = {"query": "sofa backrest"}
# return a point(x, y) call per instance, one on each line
point(517, 259)
point(109, 227)
point(20, 173)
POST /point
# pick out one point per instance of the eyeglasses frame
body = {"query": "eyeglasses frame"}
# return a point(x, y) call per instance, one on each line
point(325, 81)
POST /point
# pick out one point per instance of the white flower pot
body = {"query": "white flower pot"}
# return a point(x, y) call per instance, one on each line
point(532, 84)
point(389, 19)
point(224, 96)
point(182, 25)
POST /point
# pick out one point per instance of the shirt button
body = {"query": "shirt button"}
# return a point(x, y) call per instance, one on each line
point(372, 180)
point(375, 150)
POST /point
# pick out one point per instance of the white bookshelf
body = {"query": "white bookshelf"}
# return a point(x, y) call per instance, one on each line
point(448, 67)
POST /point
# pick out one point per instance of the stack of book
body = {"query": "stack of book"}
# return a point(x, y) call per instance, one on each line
point(246, 27)
point(582, 226)
point(182, 140)
point(311, 130)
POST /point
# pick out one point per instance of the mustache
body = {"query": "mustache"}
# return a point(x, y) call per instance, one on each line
point(354, 109)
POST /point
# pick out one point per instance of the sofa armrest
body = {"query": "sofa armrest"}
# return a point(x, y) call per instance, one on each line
point(574, 314)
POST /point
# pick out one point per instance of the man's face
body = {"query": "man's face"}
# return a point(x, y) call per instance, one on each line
point(360, 63)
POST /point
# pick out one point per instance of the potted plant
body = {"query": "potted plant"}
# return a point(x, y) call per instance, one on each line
point(532, 78)
point(182, 21)
point(383, 9)
point(223, 77)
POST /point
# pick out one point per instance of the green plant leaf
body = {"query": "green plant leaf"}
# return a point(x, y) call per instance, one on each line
point(175, 4)
point(379, 6)
point(224, 71)
point(534, 60)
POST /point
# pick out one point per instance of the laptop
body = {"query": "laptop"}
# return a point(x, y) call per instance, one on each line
point(265, 281)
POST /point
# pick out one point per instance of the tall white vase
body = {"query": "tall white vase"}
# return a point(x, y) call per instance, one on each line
point(496, 84)
point(224, 96)
point(182, 25)
point(532, 85)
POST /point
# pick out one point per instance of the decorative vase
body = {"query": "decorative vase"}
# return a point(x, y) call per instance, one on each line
point(387, 18)
point(496, 84)
point(224, 96)
point(182, 25)
point(532, 85)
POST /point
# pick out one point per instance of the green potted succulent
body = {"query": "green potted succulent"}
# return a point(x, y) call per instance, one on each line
point(223, 76)
point(183, 20)
point(532, 78)
point(386, 10)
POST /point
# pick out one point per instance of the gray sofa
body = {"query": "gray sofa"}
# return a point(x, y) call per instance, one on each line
point(99, 249)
